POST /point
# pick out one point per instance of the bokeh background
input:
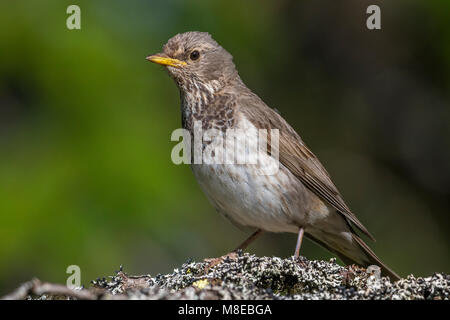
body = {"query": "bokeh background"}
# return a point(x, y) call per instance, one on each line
point(85, 123)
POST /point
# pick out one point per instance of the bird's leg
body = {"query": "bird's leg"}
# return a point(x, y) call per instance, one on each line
point(301, 231)
point(233, 254)
point(249, 240)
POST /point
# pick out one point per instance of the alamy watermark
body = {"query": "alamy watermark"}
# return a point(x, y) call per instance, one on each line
point(74, 280)
point(73, 22)
point(373, 21)
point(251, 146)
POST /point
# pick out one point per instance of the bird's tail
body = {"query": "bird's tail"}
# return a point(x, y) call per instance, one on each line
point(373, 259)
point(358, 252)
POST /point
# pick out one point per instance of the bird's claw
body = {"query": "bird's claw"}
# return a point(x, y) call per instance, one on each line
point(212, 262)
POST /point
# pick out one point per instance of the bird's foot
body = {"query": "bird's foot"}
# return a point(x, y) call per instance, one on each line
point(212, 262)
point(300, 261)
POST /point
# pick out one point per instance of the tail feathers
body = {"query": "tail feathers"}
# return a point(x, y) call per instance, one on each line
point(363, 255)
point(373, 259)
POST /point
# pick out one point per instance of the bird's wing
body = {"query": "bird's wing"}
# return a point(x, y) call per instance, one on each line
point(296, 156)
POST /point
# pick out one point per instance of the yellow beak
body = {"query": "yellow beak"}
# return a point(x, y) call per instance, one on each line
point(165, 61)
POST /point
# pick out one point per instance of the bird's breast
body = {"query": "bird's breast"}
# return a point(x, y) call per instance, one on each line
point(252, 190)
point(211, 109)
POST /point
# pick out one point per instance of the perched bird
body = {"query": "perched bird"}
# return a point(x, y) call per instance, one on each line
point(300, 197)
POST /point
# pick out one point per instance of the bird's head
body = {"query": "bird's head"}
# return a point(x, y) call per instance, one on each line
point(194, 58)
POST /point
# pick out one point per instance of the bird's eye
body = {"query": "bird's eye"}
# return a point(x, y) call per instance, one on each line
point(195, 55)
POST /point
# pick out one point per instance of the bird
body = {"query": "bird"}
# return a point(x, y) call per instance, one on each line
point(300, 197)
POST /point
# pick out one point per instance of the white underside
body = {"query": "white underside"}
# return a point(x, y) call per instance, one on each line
point(253, 195)
point(272, 202)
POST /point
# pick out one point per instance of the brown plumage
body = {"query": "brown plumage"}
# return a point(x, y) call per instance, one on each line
point(300, 197)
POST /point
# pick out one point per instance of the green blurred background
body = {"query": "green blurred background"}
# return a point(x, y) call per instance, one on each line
point(85, 123)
